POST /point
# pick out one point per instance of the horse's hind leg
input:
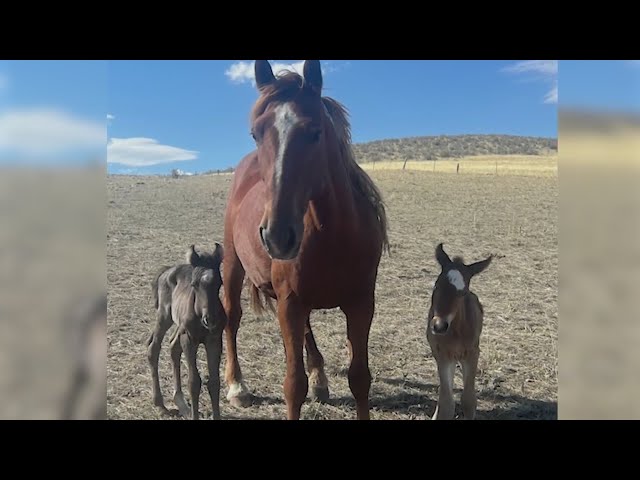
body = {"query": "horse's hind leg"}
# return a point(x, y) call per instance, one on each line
point(195, 382)
point(163, 323)
point(233, 274)
point(318, 382)
point(213, 347)
point(178, 396)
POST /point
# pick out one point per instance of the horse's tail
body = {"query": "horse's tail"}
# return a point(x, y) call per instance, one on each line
point(256, 302)
point(154, 285)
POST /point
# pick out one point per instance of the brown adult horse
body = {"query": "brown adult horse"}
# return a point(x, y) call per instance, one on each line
point(307, 226)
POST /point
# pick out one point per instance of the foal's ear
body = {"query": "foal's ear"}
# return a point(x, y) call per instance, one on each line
point(263, 73)
point(191, 256)
point(218, 252)
point(479, 267)
point(441, 256)
point(312, 73)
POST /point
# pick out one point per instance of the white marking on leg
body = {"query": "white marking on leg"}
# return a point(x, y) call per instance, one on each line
point(237, 390)
point(286, 118)
point(456, 279)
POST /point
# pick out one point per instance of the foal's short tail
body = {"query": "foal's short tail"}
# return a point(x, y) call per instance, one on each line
point(154, 285)
point(256, 302)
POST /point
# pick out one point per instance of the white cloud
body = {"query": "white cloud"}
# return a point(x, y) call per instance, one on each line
point(543, 70)
point(543, 67)
point(110, 117)
point(41, 131)
point(552, 96)
point(143, 152)
point(243, 72)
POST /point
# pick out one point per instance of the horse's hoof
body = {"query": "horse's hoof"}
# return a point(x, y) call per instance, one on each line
point(320, 394)
point(241, 401)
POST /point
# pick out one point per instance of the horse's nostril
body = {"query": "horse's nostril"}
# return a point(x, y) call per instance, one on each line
point(291, 239)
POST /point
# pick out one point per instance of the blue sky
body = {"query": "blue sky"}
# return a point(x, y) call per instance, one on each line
point(600, 84)
point(193, 115)
point(201, 108)
point(52, 111)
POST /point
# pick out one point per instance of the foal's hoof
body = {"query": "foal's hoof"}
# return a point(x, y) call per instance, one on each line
point(241, 401)
point(319, 394)
point(162, 410)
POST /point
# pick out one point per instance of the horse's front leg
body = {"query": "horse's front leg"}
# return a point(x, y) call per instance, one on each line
point(359, 318)
point(292, 316)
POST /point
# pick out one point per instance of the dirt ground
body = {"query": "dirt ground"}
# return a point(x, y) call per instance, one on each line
point(152, 221)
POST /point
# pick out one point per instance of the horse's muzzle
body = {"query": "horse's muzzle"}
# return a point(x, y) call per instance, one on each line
point(281, 243)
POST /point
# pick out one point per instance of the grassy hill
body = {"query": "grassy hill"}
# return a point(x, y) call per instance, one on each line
point(454, 146)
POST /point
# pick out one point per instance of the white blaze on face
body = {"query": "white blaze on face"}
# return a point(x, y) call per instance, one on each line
point(456, 279)
point(285, 120)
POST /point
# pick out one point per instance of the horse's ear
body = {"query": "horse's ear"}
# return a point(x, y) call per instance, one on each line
point(263, 73)
point(441, 256)
point(191, 256)
point(478, 267)
point(312, 72)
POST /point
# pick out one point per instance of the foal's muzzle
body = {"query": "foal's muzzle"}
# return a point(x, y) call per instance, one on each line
point(439, 326)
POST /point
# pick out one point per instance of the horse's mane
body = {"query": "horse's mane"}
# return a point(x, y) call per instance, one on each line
point(285, 87)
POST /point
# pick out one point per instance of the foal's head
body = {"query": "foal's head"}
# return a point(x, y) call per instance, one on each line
point(206, 282)
point(289, 124)
point(450, 288)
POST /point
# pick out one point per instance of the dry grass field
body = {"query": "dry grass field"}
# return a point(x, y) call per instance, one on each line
point(152, 220)
point(530, 165)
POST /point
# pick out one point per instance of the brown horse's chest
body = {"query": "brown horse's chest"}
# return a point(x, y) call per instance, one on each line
point(328, 281)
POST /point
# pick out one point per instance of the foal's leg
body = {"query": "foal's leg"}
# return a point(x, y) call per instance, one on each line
point(195, 382)
point(469, 398)
point(315, 365)
point(291, 316)
point(445, 410)
point(359, 318)
point(178, 396)
point(233, 277)
point(213, 347)
point(163, 323)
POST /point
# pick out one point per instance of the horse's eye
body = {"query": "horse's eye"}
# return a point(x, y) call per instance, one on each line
point(314, 135)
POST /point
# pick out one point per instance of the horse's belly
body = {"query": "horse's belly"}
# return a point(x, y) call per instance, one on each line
point(246, 237)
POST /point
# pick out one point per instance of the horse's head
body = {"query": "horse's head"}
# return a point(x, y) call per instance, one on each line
point(289, 125)
point(206, 282)
point(450, 288)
